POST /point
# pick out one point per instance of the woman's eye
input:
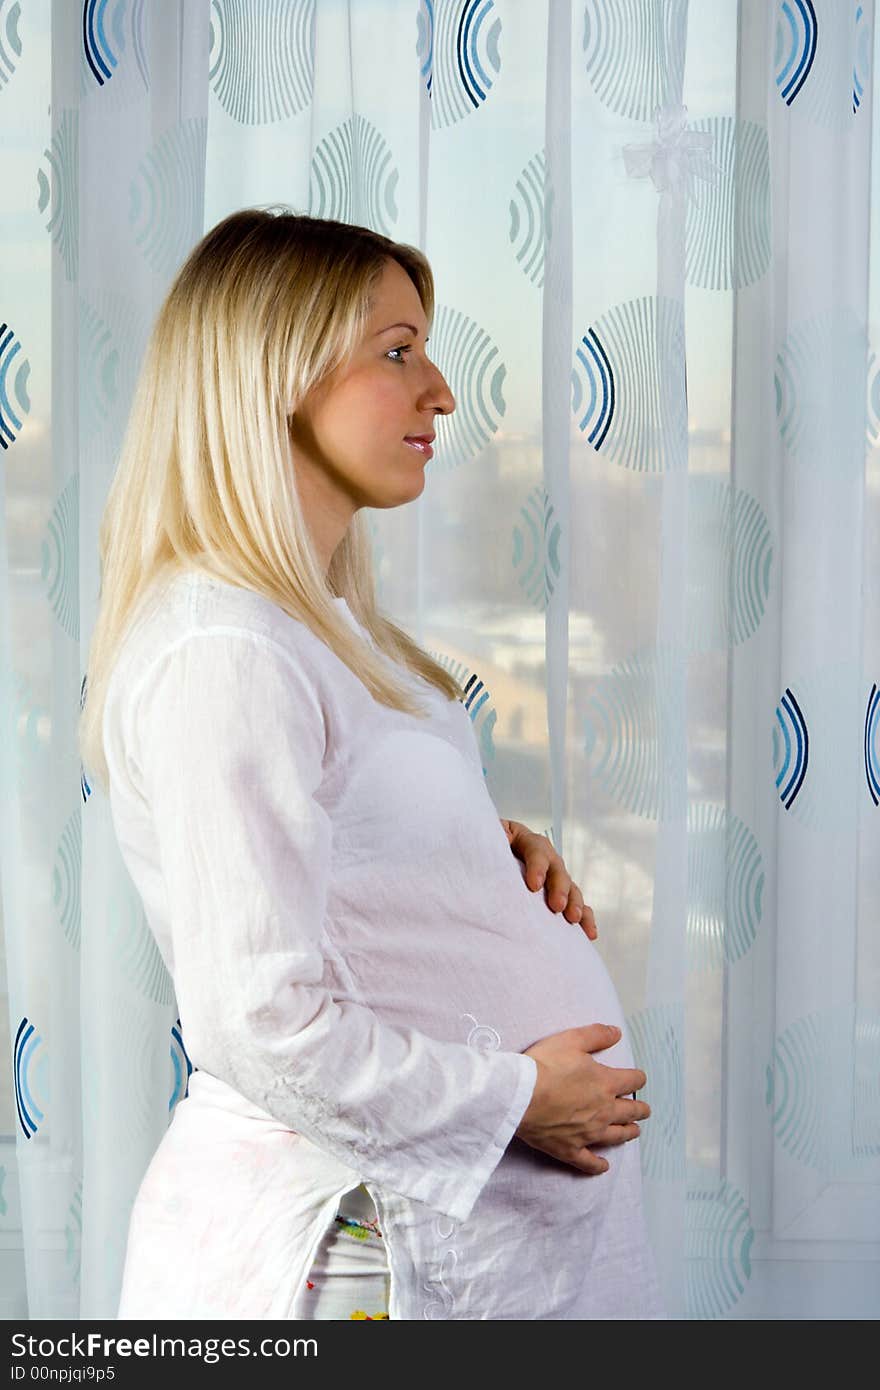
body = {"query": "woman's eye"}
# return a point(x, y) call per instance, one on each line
point(398, 349)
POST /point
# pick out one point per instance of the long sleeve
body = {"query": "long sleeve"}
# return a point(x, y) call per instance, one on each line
point(229, 736)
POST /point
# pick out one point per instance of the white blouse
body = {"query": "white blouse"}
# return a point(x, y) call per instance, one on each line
point(358, 965)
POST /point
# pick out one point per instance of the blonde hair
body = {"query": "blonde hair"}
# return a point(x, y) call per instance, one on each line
point(264, 308)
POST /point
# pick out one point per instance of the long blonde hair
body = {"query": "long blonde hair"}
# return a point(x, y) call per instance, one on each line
point(266, 305)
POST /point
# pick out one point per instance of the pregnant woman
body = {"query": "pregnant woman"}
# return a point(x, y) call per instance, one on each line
point(395, 1108)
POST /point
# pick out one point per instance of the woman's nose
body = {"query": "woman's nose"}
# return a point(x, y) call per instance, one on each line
point(439, 397)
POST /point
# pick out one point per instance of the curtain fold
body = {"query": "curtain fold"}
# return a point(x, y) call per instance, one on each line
point(647, 544)
point(556, 212)
point(802, 367)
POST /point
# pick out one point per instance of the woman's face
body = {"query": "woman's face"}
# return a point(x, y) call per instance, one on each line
point(349, 435)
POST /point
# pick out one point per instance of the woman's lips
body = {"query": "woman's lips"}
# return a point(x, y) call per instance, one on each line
point(422, 445)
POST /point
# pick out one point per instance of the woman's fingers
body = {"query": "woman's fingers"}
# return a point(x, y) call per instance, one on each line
point(588, 922)
point(620, 1134)
point(544, 868)
point(628, 1110)
point(591, 1163)
point(628, 1080)
point(625, 1125)
point(570, 902)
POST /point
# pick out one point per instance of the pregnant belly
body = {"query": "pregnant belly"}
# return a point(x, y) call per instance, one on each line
point(502, 975)
point(432, 923)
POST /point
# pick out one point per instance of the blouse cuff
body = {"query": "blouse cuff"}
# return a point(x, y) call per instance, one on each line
point(455, 1196)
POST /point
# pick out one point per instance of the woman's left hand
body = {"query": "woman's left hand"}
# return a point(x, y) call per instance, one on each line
point(546, 869)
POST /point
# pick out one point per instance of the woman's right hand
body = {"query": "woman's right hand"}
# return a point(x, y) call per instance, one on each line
point(578, 1102)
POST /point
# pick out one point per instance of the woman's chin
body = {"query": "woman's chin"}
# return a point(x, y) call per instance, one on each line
point(406, 492)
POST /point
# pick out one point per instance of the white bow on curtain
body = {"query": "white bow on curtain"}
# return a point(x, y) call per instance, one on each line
point(648, 542)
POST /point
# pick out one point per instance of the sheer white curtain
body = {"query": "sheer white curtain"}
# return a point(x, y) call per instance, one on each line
point(648, 540)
